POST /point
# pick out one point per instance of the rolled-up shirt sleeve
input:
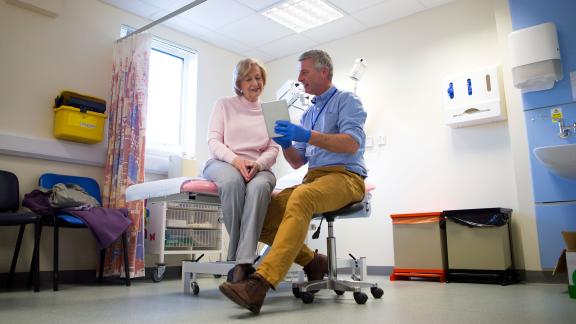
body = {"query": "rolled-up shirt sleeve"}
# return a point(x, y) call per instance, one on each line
point(352, 118)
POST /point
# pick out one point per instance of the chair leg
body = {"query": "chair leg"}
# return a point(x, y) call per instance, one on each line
point(35, 256)
point(55, 261)
point(15, 256)
point(101, 267)
point(126, 265)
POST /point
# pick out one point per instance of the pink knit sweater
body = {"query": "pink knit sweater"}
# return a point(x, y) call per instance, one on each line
point(237, 129)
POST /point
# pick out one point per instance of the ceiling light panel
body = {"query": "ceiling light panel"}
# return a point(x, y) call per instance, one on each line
point(301, 15)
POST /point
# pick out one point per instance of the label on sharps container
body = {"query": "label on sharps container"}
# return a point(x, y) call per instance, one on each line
point(556, 114)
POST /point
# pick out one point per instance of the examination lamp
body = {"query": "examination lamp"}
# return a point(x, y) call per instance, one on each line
point(358, 71)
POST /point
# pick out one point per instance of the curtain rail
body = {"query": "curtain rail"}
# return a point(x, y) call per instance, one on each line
point(163, 19)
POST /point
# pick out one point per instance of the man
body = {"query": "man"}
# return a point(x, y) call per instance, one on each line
point(331, 139)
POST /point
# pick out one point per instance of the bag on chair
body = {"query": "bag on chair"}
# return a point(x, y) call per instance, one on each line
point(71, 196)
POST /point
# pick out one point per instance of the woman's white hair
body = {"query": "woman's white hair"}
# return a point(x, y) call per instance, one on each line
point(241, 71)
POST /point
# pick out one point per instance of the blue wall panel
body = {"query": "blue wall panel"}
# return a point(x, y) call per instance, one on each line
point(551, 221)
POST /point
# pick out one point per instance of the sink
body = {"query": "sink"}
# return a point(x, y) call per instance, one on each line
point(560, 159)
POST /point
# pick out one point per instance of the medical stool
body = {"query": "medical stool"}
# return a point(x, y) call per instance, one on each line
point(305, 290)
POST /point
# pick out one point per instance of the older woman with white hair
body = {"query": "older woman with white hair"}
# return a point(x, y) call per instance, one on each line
point(241, 157)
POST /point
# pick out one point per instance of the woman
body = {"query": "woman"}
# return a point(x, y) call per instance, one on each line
point(241, 158)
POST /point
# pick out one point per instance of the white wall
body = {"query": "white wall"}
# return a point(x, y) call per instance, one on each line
point(425, 165)
point(41, 56)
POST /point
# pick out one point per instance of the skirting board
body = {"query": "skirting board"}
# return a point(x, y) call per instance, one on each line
point(88, 277)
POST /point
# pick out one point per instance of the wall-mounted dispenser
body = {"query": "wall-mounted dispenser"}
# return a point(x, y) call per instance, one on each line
point(535, 57)
point(473, 98)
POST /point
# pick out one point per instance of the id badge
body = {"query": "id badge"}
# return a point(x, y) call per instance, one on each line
point(309, 151)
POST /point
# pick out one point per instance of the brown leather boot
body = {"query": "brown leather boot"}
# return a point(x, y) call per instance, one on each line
point(249, 293)
point(240, 272)
point(317, 268)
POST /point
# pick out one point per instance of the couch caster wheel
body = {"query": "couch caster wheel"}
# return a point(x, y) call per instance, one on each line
point(195, 288)
point(157, 274)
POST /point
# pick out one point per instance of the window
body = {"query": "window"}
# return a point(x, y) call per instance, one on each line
point(171, 107)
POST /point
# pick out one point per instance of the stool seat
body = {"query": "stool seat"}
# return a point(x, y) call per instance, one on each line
point(342, 212)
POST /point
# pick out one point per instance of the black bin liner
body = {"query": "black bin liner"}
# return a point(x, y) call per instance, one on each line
point(483, 217)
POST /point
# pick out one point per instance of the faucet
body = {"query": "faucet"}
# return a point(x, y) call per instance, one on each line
point(564, 131)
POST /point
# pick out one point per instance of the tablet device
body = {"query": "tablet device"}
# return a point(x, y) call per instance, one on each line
point(273, 111)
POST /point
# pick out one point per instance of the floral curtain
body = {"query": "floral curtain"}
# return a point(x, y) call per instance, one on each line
point(126, 138)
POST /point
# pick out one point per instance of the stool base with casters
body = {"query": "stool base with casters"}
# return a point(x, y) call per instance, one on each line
point(304, 290)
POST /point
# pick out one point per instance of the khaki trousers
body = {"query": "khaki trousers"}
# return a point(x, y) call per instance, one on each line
point(289, 214)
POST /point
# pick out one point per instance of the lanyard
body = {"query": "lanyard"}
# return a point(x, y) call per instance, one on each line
point(314, 120)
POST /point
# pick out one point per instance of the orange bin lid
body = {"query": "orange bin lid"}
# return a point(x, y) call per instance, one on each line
point(416, 218)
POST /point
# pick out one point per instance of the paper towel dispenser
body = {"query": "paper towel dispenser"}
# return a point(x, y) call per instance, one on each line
point(535, 57)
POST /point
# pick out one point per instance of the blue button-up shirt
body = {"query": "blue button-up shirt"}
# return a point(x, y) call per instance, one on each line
point(335, 112)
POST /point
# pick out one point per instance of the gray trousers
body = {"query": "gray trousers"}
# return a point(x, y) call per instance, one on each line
point(244, 206)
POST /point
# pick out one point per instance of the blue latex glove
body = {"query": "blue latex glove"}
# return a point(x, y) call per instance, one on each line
point(291, 131)
point(283, 141)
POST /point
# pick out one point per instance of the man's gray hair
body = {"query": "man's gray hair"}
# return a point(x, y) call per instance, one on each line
point(321, 60)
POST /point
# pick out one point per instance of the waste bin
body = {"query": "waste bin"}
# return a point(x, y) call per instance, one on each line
point(479, 245)
point(419, 246)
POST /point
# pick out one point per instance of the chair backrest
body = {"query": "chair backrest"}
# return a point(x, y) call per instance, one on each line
point(9, 191)
point(48, 180)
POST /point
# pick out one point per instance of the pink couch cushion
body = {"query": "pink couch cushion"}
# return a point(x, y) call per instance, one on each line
point(199, 186)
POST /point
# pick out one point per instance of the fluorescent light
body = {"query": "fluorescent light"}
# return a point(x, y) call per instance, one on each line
point(301, 15)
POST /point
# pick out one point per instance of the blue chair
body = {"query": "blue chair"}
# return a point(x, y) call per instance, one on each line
point(48, 180)
point(10, 216)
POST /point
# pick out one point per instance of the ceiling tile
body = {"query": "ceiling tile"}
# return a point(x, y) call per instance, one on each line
point(255, 30)
point(356, 5)
point(333, 30)
point(259, 4)
point(434, 3)
point(224, 42)
point(388, 11)
point(186, 26)
point(168, 6)
point(237, 26)
point(288, 45)
point(216, 13)
point(136, 7)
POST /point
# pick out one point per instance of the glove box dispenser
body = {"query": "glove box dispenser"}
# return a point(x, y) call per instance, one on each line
point(473, 98)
